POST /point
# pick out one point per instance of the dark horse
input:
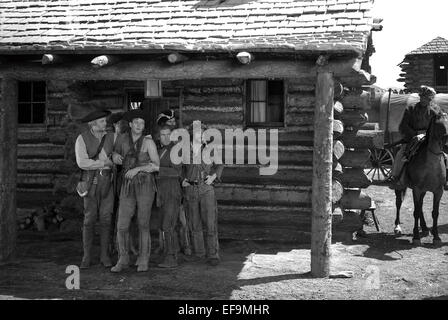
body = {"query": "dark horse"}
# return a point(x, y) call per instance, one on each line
point(426, 172)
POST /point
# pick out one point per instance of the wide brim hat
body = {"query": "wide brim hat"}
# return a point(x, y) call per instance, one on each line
point(95, 115)
point(115, 117)
point(135, 114)
point(165, 116)
point(426, 91)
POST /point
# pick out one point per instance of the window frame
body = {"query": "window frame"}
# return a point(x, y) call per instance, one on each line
point(247, 102)
point(31, 102)
point(437, 59)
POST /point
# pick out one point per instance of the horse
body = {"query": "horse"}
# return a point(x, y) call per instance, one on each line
point(426, 172)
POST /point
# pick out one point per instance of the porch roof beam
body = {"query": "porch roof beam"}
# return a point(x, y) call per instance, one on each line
point(349, 69)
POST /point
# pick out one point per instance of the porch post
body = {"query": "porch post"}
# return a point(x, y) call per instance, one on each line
point(8, 167)
point(322, 172)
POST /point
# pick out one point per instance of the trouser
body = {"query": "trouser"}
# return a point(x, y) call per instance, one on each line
point(140, 198)
point(99, 202)
point(202, 219)
point(170, 216)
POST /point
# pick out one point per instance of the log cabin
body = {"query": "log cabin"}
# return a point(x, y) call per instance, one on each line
point(290, 65)
point(426, 65)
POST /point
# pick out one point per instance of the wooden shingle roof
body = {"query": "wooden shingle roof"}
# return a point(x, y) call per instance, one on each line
point(437, 45)
point(191, 25)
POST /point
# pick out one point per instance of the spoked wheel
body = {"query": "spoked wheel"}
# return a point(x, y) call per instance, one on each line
point(382, 161)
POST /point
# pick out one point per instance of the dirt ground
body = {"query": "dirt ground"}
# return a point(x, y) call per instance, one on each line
point(384, 266)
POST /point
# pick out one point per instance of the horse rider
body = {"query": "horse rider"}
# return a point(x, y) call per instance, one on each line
point(93, 149)
point(413, 126)
point(139, 157)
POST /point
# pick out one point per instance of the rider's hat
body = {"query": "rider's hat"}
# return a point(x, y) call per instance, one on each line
point(426, 91)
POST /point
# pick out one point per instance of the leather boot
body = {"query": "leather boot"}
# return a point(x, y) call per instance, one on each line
point(123, 251)
point(170, 260)
point(105, 239)
point(87, 240)
point(145, 250)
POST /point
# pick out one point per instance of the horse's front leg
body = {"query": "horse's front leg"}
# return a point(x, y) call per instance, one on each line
point(399, 195)
point(418, 213)
point(435, 217)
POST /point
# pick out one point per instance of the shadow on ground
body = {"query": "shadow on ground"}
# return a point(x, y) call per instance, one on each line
point(39, 272)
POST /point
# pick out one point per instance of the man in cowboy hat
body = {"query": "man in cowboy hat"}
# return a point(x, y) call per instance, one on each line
point(93, 149)
point(139, 157)
point(414, 124)
point(202, 212)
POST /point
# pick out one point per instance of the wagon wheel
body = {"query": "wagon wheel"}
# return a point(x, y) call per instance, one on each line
point(382, 161)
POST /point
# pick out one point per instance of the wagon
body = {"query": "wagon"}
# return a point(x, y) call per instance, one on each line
point(389, 111)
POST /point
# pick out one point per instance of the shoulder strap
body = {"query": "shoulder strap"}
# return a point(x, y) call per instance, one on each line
point(99, 147)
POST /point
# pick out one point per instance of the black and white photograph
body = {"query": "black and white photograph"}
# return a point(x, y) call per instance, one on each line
point(222, 155)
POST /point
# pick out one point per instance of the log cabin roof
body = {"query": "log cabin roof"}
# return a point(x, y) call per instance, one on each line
point(437, 45)
point(191, 25)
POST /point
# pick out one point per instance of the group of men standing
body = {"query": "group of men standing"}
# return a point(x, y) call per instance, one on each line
point(138, 172)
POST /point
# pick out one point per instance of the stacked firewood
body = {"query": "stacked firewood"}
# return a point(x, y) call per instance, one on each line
point(353, 139)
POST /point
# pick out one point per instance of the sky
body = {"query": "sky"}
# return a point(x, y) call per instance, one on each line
point(407, 25)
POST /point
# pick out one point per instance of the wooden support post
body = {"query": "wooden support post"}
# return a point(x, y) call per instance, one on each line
point(322, 172)
point(8, 168)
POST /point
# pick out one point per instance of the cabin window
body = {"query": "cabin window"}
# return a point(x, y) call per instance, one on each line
point(265, 103)
point(32, 97)
point(135, 99)
point(441, 70)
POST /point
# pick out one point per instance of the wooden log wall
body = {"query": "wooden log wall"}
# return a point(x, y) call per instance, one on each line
point(358, 138)
point(281, 201)
point(245, 197)
point(417, 70)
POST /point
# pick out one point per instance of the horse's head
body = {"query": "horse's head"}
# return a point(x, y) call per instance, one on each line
point(438, 129)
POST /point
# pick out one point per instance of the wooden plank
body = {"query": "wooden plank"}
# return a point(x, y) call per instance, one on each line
point(8, 168)
point(322, 173)
point(359, 158)
point(363, 139)
point(370, 126)
point(192, 69)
